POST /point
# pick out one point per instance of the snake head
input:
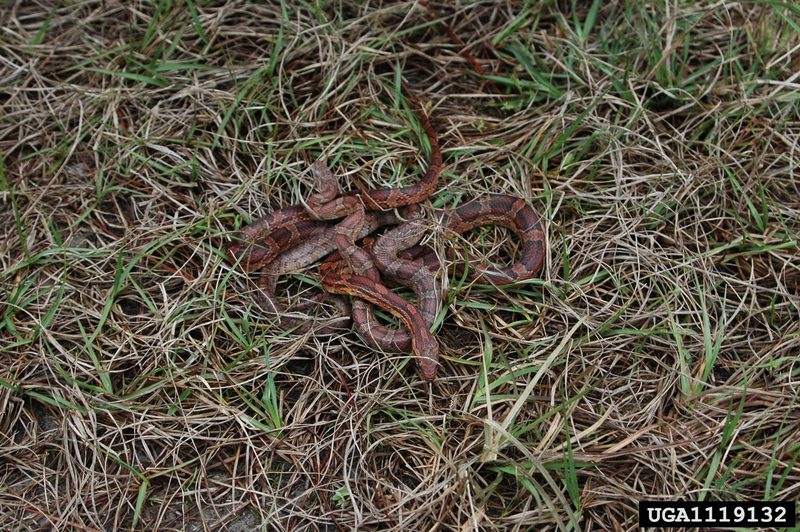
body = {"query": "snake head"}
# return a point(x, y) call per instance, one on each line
point(428, 360)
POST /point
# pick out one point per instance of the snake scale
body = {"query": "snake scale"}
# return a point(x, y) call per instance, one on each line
point(294, 237)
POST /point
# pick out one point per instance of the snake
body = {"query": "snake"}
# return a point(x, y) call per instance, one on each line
point(501, 210)
point(296, 236)
point(315, 246)
point(425, 347)
point(421, 278)
point(351, 271)
point(262, 241)
point(357, 276)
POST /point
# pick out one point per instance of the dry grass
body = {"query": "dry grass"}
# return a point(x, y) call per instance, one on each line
point(657, 357)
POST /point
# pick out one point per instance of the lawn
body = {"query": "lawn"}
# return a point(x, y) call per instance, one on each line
point(656, 355)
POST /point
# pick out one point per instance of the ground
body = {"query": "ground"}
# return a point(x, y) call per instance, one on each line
point(656, 356)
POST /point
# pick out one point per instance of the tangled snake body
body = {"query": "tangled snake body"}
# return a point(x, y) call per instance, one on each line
point(294, 237)
point(259, 243)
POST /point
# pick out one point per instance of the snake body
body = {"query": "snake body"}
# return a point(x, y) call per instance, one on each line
point(260, 242)
point(498, 209)
point(326, 205)
point(424, 345)
point(420, 278)
point(294, 237)
point(313, 248)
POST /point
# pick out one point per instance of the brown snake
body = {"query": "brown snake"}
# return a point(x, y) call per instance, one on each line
point(361, 282)
point(420, 278)
point(294, 237)
point(314, 247)
point(260, 242)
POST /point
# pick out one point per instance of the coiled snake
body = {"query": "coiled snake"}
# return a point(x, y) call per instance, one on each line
point(294, 237)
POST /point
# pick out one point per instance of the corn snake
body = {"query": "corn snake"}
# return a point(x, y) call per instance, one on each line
point(296, 236)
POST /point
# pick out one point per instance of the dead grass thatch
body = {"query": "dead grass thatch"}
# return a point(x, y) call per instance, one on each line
point(658, 357)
